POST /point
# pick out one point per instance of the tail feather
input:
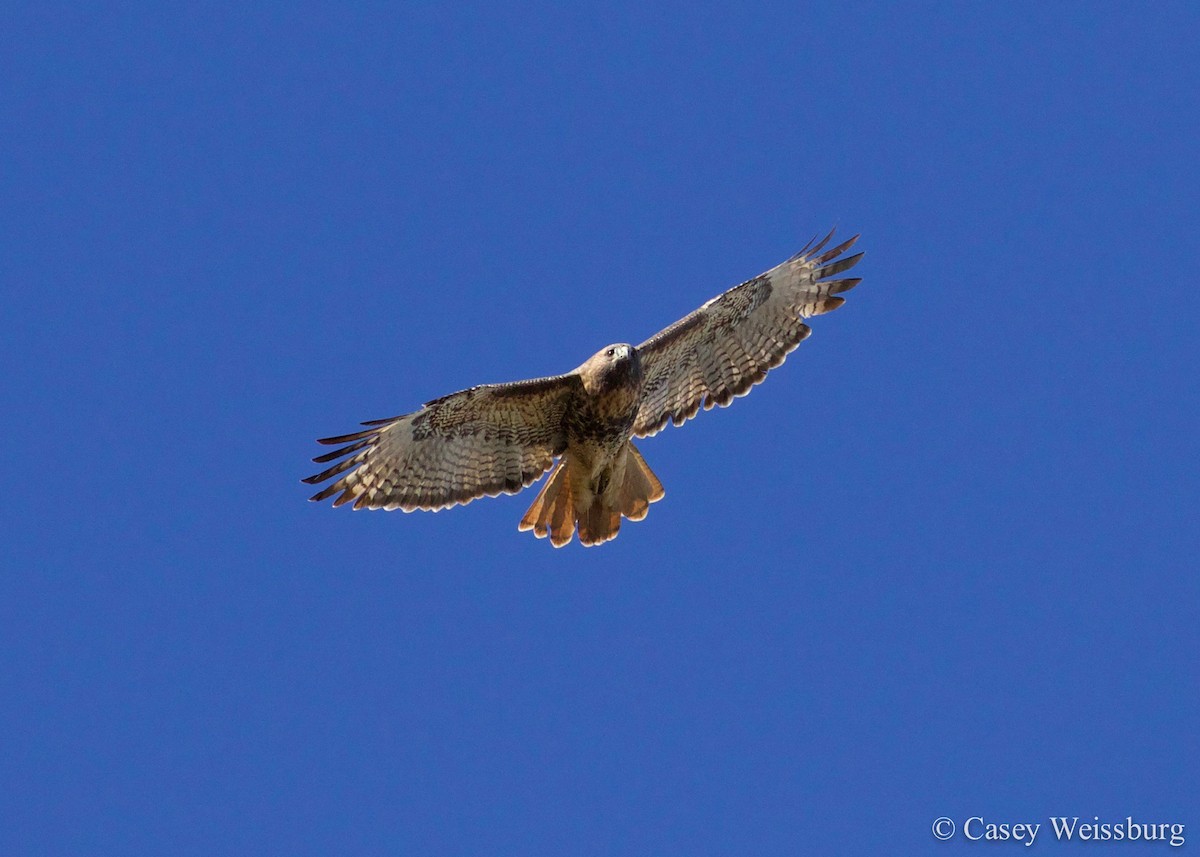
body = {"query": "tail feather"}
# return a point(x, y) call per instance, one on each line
point(562, 511)
point(533, 514)
point(564, 505)
point(552, 510)
point(599, 523)
point(641, 487)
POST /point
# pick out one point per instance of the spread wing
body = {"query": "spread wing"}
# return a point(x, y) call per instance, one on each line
point(728, 345)
point(490, 439)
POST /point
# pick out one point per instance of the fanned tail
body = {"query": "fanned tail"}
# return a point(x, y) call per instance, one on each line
point(566, 504)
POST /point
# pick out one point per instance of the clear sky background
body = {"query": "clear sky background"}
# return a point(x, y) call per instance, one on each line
point(942, 563)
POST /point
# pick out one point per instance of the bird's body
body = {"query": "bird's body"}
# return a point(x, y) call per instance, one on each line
point(500, 438)
point(600, 476)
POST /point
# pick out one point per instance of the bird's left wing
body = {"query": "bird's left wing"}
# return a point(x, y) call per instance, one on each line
point(728, 345)
point(488, 440)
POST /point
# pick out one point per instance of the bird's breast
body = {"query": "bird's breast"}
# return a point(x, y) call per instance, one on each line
point(605, 415)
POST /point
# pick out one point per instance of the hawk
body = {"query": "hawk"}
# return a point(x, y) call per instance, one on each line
point(499, 438)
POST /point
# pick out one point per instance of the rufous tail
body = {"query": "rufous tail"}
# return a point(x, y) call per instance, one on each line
point(562, 505)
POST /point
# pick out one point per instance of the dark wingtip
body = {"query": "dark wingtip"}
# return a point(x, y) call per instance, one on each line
point(346, 450)
point(348, 438)
point(836, 251)
point(839, 266)
point(814, 250)
point(324, 494)
point(804, 249)
point(380, 422)
point(846, 285)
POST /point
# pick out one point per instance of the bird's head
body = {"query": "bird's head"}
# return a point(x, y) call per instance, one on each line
point(612, 366)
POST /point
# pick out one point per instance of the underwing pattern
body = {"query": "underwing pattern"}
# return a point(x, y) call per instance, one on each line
point(500, 438)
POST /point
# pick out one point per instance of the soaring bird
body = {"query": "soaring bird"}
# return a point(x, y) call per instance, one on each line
point(499, 438)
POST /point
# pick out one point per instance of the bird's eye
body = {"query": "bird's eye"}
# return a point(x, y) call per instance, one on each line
point(610, 352)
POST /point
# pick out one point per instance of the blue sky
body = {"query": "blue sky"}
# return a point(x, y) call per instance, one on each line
point(942, 563)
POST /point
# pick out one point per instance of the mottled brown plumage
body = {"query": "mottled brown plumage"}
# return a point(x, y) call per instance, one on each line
point(500, 438)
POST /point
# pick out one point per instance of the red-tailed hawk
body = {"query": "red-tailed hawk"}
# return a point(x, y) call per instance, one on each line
point(499, 438)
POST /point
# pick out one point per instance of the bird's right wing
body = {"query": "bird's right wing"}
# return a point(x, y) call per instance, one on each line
point(487, 440)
